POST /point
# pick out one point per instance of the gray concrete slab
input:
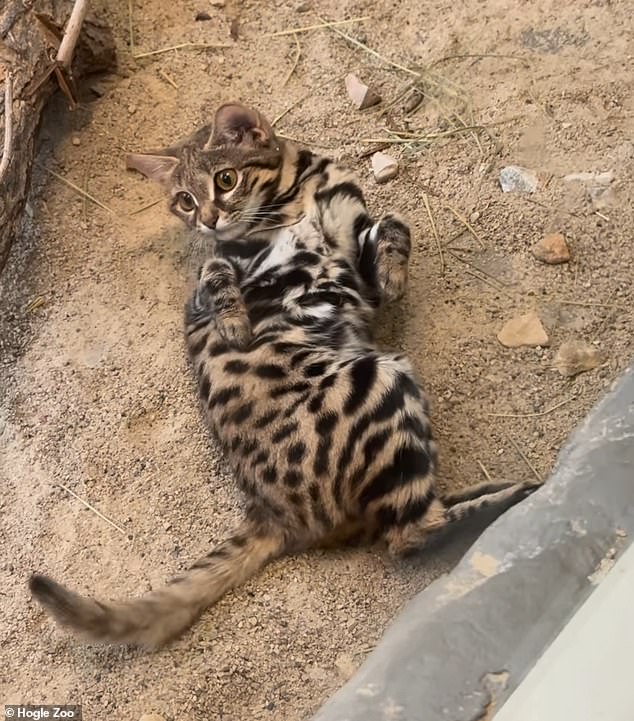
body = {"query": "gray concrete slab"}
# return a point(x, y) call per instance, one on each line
point(586, 673)
point(461, 647)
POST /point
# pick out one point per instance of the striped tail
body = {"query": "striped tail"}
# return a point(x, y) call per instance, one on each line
point(159, 616)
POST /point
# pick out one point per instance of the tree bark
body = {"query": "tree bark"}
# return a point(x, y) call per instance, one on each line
point(27, 48)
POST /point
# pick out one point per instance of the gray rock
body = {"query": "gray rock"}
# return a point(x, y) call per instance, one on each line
point(514, 179)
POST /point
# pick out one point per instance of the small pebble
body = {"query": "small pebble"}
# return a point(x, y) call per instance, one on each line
point(576, 357)
point(413, 100)
point(132, 109)
point(514, 179)
point(361, 95)
point(303, 7)
point(523, 330)
point(384, 167)
point(202, 16)
point(552, 249)
point(76, 140)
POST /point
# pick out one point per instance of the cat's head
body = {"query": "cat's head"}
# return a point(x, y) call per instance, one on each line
point(221, 179)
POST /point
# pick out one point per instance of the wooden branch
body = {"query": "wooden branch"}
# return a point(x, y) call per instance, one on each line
point(71, 34)
point(29, 39)
point(8, 126)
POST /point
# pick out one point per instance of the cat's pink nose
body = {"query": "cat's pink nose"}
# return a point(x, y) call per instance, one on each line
point(209, 219)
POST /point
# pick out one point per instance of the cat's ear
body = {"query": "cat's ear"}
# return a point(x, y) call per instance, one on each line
point(159, 165)
point(235, 124)
point(158, 168)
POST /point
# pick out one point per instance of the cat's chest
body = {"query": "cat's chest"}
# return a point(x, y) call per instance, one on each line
point(287, 246)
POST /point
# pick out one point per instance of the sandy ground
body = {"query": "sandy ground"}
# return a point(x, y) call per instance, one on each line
point(96, 393)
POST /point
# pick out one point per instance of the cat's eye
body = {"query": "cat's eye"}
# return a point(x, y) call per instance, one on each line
point(226, 180)
point(186, 202)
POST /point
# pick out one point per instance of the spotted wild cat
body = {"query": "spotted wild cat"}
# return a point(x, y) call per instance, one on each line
point(328, 436)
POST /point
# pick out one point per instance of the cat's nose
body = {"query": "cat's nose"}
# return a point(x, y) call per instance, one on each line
point(209, 217)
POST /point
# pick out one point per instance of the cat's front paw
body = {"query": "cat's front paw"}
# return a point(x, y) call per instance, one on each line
point(235, 330)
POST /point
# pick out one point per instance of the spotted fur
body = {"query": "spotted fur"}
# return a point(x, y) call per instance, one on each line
point(328, 436)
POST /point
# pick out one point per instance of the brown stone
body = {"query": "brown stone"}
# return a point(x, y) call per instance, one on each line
point(576, 356)
point(361, 95)
point(523, 330)
point(552, 249)
point(384, 167)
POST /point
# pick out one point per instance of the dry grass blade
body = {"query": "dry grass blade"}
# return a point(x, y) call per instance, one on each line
point(168, 79)
point(308, 143)
point(147, 206)
point(131, 26)
point(467, 225)
point(589, 304)
point(539, 414)
point(466, 56)
point(434, 230)
point(369, 50)
point(7, 148)
point(298, 53)
point(307, 28)
point(475, 267)
point(34, 304)
point(184, 46)
point(486, 281)
point(524, 457)
point(487, 475)
point(77, 189)
point(93, 509)
point(306, 97)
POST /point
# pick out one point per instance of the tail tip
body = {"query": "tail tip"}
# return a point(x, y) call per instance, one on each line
point(41, 586)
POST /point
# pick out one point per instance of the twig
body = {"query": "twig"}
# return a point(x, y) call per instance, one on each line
point(7, 148)
point(484, 470)
point(131, 26)
point(93, 509)
point(323, 24)
point(77, 189)
point(371, 151)
point(71, 34)
point(147, 206)
point(295, 60)
point(372, 52)
point(605, 217)
point(531, 415)
point(167, 79)
point(184, 46)
point(524, 457)
point(467, 225)
point(435, 233)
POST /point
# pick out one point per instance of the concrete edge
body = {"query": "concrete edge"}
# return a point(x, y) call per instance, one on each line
point(459, 648)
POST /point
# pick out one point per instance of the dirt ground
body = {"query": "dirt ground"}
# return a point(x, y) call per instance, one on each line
point(96, 392)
